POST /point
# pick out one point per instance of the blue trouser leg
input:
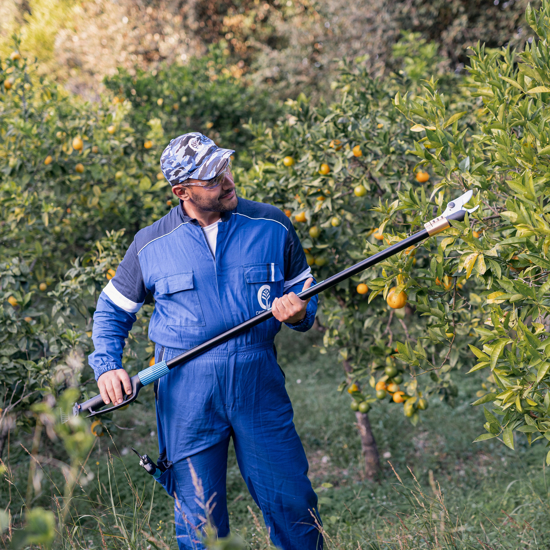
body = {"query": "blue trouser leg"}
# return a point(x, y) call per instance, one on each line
point(240, 393)
point(270, 454)
point(193, 494)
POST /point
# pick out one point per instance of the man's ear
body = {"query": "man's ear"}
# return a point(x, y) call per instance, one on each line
point(181, 192)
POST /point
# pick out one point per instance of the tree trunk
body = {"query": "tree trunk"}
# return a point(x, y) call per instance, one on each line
point(368, 443)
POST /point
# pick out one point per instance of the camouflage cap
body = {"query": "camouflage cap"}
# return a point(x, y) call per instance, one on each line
point(192, 156)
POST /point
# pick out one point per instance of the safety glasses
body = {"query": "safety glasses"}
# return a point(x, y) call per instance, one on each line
point(214, 182)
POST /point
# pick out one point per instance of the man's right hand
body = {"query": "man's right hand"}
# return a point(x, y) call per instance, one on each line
point(110, 385)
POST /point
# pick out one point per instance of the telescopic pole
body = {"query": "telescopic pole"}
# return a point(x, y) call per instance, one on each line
point(455, 211)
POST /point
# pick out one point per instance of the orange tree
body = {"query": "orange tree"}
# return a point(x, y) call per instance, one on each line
point(502, 154)
point(339, 171)
point(207, 95)
point(69, 171)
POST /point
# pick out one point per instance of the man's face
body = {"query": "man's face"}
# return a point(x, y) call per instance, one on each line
point(221, 198)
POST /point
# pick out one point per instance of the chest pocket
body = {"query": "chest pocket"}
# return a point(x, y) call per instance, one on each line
point(264, 282)
point(177, 300)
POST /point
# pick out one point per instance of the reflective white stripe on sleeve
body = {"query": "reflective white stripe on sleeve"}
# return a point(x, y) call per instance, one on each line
point(273, 272)
point(304, 275)
point(120, 300)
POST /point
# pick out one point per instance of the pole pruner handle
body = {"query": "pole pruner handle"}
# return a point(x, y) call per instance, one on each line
point(94, 404)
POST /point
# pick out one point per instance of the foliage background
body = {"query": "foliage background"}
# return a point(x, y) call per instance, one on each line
point(314, 82)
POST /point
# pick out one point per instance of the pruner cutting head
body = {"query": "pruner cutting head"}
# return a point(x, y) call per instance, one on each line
point(455, 211)
point(457, 205)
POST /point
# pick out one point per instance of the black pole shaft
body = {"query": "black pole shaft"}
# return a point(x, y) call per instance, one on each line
point(320, 287)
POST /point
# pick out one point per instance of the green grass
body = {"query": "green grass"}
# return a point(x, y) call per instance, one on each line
point(466, 496)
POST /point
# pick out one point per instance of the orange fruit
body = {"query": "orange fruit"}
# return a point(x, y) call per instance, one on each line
point(396, 301)
point(287, 212)
point(78, 144)
point(380, 394)
point(325, 169)
point(422, 177)
point(378, 236)
point(380, 385)
point(300, 217)
point(48, 160)
point(321, 198)
point(28, 319)
point(357, 151)
point(314, 232)
point(335, 144)
point(360, 191)
point(95, 149)
point(43, 286)
point(110, 274)
point(111, 129)
point(335, 222)
point(13, 302)
point(362, 288)
point(148, 144)
point(151, 361)
point(160, 176)
point(79, 168)
point(475, 234)
point(364, 407)
point(97, 428)
point(288, 161)
point(398, 397)
point(8, 83)
point(320, 261)
point(392, 388)
point(390, 371)
point(310, 259)
point(15, 56)
point(353, 388)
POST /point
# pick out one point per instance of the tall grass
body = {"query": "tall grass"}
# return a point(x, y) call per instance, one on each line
point(65, 489)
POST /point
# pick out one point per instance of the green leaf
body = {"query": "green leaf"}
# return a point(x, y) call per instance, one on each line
point(538, 90)
point(454, 118)
point(469, 264)
point(488, 398)
point(481, 268)
point(498, 348)
point(484, 437)
point(528, 429)
point(508, 435)
point(479, 366)
point(490, 417)
point(478, 353)
point(542, 371)
point(512, 82)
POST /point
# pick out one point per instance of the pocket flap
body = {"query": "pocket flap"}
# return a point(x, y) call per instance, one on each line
point(175, 283)
point(263, 273)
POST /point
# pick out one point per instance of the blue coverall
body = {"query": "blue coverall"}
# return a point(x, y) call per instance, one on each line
point(235, 390)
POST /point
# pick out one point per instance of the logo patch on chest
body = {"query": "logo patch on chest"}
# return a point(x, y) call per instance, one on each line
point(264, 295)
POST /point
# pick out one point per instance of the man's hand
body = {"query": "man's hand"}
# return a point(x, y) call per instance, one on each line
point(289, 308)
point(110, 385)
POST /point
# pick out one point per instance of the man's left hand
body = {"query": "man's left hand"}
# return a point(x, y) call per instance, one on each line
point(289, 308)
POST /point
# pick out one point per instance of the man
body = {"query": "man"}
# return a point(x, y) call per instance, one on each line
point(211, 263)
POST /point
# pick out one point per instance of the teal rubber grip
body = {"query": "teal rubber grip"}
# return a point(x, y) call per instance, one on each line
point(150, 374)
